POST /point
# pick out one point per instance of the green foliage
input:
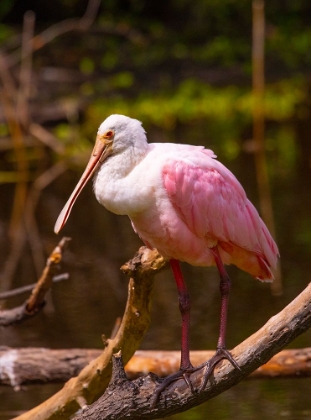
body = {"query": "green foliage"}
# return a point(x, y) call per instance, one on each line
point(292, 47)
point(77, 146)
point(124, 79)
point(7, 177)
point(282, 141)
point(227, 111)
point(4, 130)
point(87, 65)
point(109, 60)
point(5, 32)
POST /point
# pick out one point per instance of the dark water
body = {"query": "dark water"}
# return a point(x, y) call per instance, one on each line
point(80, 310)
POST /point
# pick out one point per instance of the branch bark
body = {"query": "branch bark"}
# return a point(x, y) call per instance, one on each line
point(125, 399)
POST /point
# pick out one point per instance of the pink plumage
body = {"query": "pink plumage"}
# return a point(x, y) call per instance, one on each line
point(203, 205)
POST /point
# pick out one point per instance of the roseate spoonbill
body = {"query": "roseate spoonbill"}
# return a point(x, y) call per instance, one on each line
point(185, 203)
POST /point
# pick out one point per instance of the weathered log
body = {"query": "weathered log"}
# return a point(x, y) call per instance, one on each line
point(39, 365)
point(24, 366)
point(289, 363)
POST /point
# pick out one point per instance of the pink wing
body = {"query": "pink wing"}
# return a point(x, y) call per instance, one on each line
point(212, 202)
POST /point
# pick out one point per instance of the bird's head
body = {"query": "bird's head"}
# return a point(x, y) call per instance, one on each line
point(121, 133)
point(115, 135)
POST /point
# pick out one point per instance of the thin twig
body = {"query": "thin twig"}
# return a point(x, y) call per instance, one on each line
point(25, 289)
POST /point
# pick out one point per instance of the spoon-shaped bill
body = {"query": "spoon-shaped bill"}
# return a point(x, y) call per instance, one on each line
point(101, 151)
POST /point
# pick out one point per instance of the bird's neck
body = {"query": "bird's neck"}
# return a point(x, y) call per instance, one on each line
point(112, 182)
point(119, 165)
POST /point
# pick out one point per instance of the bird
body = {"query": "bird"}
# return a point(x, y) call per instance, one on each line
point(185, 203)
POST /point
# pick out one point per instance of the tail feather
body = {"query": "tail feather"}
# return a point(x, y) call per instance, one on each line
point(254, 264)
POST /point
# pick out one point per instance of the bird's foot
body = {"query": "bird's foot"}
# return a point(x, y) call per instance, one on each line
point(209, 365)
point(183, 373)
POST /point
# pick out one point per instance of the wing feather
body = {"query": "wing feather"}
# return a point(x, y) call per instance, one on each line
point(212, 203)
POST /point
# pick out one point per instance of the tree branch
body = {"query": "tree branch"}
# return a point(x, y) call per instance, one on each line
point(36, 300)
point(94, 378)
point(125, 399)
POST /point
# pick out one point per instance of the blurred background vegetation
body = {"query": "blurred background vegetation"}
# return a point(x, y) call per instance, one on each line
point(184, 68)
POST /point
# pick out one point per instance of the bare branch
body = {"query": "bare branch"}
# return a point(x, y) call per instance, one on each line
point(36, 300)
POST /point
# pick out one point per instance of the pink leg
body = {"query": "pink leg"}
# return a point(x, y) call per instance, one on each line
point(224, 286)
point(186, 367)
point(184, 307)
point(221, 352)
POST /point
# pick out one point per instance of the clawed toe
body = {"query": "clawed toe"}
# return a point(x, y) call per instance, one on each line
point(209, 365)
point(166, 382)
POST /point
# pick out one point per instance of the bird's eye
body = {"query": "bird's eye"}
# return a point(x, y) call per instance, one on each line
point(109, 134)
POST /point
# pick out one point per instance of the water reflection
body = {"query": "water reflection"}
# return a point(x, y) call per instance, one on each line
point(257, 400)
point(251, 399)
